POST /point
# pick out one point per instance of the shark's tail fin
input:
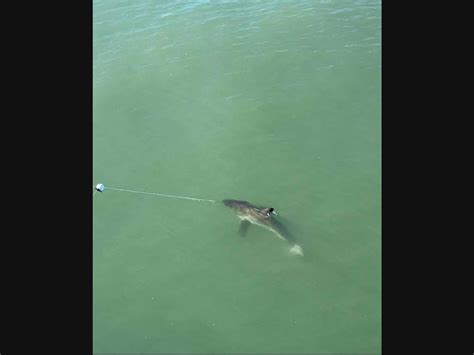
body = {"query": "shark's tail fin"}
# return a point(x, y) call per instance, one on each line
point(296, 250)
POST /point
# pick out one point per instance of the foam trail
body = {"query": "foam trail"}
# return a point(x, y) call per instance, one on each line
point(296, 250)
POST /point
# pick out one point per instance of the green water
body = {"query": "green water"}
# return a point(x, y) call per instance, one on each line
point(273, 102)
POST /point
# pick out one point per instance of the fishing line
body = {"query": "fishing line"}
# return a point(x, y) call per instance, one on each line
point(101, 188)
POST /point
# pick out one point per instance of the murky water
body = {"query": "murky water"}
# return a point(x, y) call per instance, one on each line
point(273, 102)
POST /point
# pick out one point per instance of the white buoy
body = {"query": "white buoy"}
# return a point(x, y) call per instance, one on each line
point(100, 187)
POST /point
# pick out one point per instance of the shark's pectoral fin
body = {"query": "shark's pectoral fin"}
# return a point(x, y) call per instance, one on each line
point(244, 226)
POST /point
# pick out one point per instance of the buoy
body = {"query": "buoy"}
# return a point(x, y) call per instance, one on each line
point(100, 187)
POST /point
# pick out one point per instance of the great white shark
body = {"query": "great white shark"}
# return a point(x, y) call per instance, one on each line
point(263, 217)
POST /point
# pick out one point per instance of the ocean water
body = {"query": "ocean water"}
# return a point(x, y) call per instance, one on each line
point(273, 102)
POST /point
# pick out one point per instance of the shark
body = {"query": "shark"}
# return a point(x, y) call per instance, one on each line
point(264, 217)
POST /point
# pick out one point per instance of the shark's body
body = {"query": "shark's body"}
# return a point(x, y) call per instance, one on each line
point(263, 217)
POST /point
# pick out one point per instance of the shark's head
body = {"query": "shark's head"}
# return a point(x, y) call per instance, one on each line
point(238, 205)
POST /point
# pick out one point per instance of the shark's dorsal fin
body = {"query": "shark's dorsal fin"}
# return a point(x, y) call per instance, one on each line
point(268, 211)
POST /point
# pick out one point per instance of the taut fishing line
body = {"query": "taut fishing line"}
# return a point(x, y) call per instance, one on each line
point(101, 188)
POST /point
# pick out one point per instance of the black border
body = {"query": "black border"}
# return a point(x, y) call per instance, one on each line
point(46, 252)
point(426, 294)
